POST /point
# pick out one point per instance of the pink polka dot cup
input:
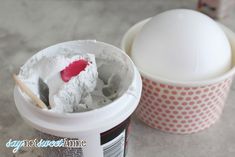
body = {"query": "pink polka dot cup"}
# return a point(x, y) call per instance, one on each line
point(181, 107)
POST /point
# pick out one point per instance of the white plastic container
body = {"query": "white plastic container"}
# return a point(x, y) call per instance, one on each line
point(99, 128)
point(181, 107)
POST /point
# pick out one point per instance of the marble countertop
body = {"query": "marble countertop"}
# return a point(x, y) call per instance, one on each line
point(26, 26)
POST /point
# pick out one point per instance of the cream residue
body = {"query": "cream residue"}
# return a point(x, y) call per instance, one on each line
point(105, 79)
point(72, 96)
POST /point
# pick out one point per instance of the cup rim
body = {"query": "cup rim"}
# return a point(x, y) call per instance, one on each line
point(136, 27)
point(60, 124)
point(87, 113)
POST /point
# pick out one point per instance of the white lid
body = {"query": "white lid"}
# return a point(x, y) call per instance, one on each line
point(130, 35)
point(182, 45)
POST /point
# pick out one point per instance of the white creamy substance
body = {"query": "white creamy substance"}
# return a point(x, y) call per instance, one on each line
point(104, 79)
point(67, 96)
point(72, 96)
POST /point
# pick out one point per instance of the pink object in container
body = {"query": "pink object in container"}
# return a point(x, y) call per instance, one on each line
point(181, 107)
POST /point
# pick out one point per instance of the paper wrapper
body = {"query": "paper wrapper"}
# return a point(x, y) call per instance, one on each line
point(182, 110)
